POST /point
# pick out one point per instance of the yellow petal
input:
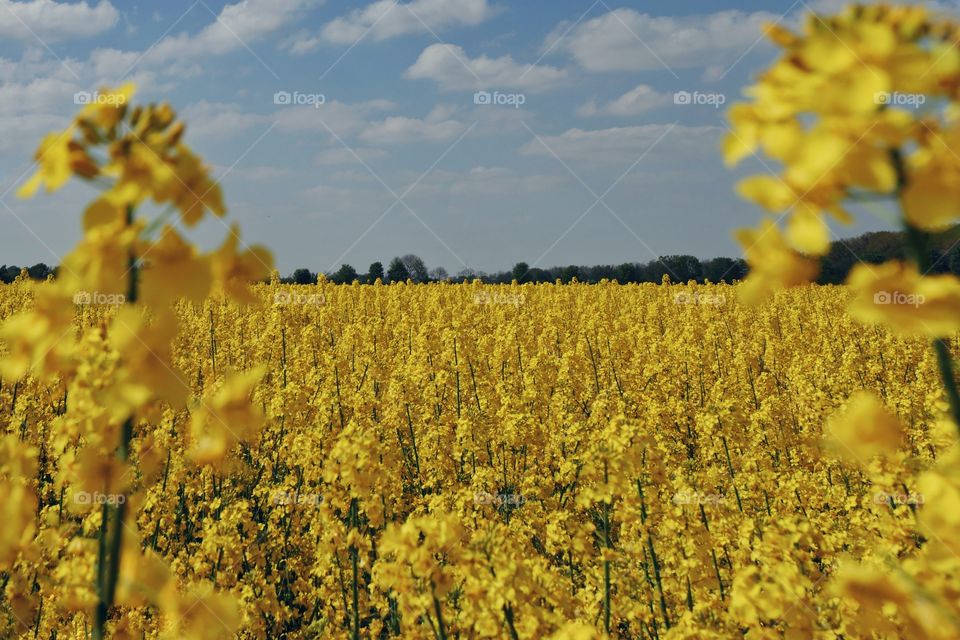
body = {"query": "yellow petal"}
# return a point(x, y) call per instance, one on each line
point(807, 232)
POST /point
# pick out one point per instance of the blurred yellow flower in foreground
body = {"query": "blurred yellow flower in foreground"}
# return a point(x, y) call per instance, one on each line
point(864, 429)
point(897, 295)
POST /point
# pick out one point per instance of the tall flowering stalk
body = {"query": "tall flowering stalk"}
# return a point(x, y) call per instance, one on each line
point(136, 156)
point(861, 106)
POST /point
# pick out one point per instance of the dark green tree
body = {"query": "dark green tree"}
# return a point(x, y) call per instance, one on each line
point(954, 260)
point(304, 276)
point(723, 270)
point(627, 272)
point(345, 275)
point(416, 268)
point(682, 268)
point(39, 271)
point(521, 272)
point(397, 271)
point(374, 272)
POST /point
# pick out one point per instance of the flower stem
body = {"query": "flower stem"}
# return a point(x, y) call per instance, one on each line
point(918, 243)
point(108, 556)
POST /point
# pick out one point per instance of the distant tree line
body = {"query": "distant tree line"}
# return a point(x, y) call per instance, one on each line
point(412, 267)
point(880, 246)
point(38, 271)
point(872, 247)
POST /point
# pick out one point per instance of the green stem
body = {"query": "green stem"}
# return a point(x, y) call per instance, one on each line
point(108, 555)
point(442, 631)
point(918, 244)
point(354, 552)
point(606, 562)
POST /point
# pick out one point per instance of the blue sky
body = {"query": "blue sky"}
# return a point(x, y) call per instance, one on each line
point(588, 158)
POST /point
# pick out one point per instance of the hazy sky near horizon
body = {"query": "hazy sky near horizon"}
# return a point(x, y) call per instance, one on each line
point(474, 133)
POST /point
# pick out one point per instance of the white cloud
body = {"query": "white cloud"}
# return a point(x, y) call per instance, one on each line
point(478, 183)
point(301, 43)
point(400, 129)
point(263, 173)
point(343, 156)
point(51, 21)
point(450, 67)
point(634, 102)
point(43, 95)
point(219, 120)
point(341, 118)
point(388, 19)
point(497, 181)
point(112, 62)
point(627, 40)
point(22, 133)
point(623, 145)
point(236, 26)
point(346, 175)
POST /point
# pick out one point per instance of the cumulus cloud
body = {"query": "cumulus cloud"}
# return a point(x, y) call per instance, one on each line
point(52, 21)
point(220, 120)
point(449, 66)
point(627, 40)
point(634, 102)
point(623, 145)
point(43, 95)
point(389, 19)
point(436, 127)
point(236, 26)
